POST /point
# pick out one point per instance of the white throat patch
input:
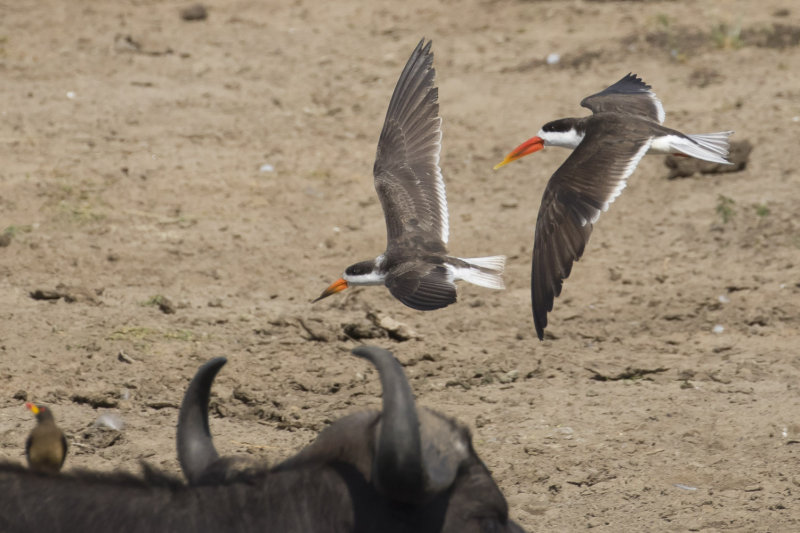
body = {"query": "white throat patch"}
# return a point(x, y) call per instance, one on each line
point(370, 278)
point(567, 139)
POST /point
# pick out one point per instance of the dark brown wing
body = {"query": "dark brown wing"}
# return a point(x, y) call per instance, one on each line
point(631, 96)
point(584, 186)
point(407, 175)
point(421, 286)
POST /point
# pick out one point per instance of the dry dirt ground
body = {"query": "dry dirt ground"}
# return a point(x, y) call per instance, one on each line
point(225, 165)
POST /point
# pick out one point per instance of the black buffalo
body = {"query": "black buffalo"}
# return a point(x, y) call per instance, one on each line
point(401, 469)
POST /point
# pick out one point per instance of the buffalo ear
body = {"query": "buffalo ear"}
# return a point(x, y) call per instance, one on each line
point(445, 446)
point(195, 445)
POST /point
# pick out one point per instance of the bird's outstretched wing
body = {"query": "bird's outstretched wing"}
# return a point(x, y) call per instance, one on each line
point(424, 290)
point(584, 186)
point(408, 179)
point(631, 96)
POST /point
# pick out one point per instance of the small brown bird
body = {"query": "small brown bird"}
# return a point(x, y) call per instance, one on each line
point(46, 447)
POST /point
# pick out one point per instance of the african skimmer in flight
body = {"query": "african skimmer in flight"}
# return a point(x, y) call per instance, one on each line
point(626, 124)
point(416, 267)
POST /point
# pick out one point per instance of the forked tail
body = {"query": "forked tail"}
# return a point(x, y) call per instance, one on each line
point(706, 146)
point(484, 271)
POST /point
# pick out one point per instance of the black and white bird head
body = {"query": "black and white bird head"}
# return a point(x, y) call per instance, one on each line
point(369, 272)
point(564, 132)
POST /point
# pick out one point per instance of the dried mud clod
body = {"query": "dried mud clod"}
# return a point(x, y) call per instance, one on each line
point(69, 294)
point(396, 330)
point(194, 12)
point(363, 329)
point(98, 438)
point(166, 306)
point(96, 399)
point(627, 373)
point(315, 329)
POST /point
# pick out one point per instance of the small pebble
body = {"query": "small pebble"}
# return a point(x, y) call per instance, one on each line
point(194, 12)
point(718, 329)
point(165, 305)
point(125, 358)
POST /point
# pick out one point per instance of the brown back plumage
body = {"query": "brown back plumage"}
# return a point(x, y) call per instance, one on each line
point(46, 446)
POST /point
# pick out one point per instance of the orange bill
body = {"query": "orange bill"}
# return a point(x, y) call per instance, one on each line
point(534, 144)
point(33, 407)
point(337, 286)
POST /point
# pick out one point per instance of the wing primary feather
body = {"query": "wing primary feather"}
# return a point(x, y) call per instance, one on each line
point(408, 179)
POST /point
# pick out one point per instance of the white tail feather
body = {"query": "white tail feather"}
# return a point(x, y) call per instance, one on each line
point(496, 263)
point(706, 146)
point(483, 271)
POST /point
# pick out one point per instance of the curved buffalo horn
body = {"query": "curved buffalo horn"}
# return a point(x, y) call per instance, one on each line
point(398, 470)
point(402, 469)
point(195, 446)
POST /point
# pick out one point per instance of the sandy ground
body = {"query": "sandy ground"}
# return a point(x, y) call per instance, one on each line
point(134, 146)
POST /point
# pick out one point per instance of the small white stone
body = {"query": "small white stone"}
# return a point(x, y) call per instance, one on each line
point(723, 299)
point(719, 328)
point(553, 58)
point(71, 95)
point(266, 167)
